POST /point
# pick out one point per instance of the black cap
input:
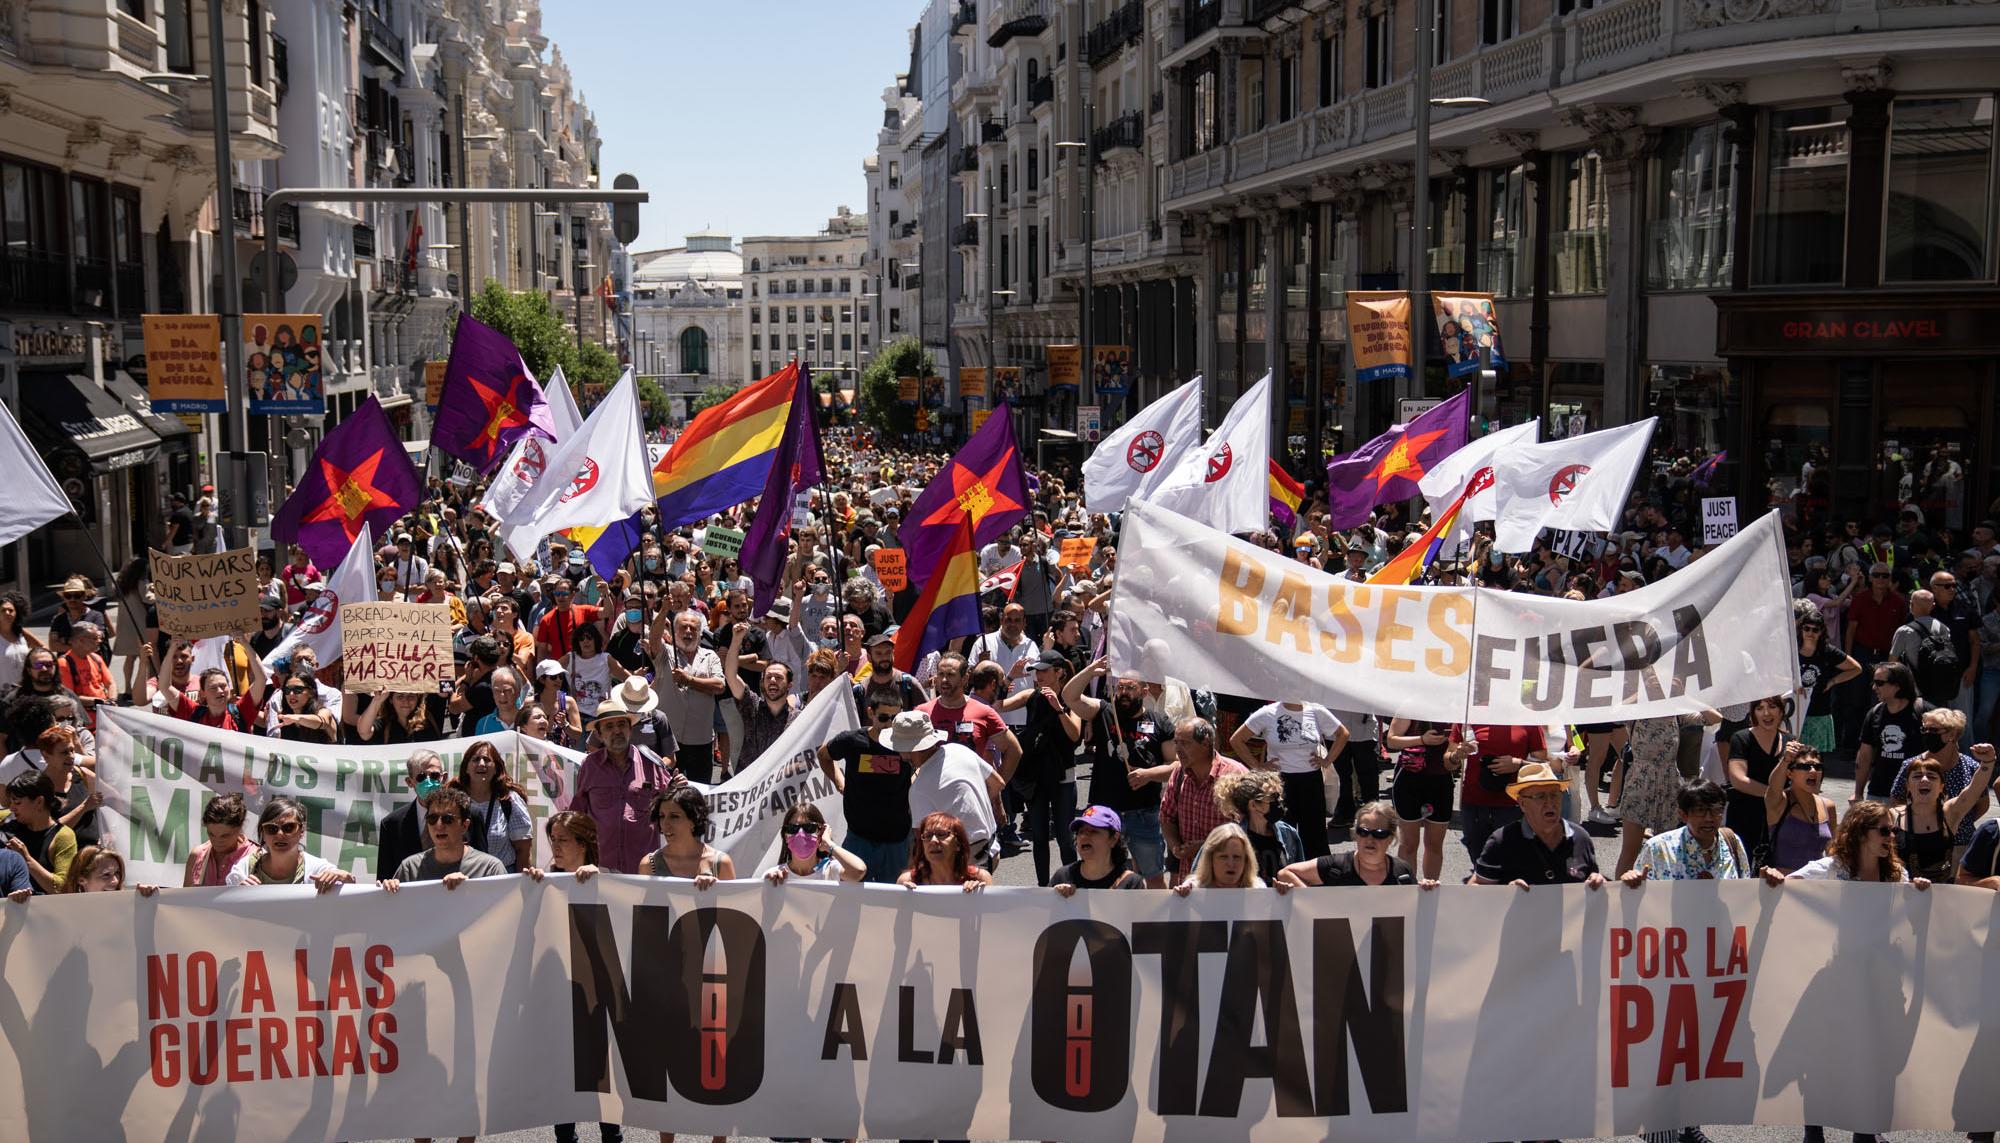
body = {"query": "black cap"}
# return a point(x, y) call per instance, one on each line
point(881, 639)
point(1051, 659)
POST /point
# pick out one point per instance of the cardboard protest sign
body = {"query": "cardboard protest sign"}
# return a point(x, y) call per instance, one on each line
point(722, 543)
point(892, 568)
point(1076, 554)
point(203, 595)
point(403, 647)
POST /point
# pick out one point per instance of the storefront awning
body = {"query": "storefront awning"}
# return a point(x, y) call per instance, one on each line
point(132, 395)
point(72, 412)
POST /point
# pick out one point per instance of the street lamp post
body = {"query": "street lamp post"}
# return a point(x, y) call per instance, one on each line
point(1087, 305)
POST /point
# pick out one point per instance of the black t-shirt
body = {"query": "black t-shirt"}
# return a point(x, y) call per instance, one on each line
point(1338, 869)
point(1895, 738)
point(629, 650)
point(180, 527)
point(262, 643)
point(1269, 852)
point(878, 787)
point(1816, 676)
point(1514, 853)
point(755, 644)
point(1072, 874)
point(1757, 761)
point(1140, 746)
point(1047, 750)
point(36, 841)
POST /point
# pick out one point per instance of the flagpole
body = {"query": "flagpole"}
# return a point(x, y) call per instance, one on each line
point(825, 492)
point(110, 576)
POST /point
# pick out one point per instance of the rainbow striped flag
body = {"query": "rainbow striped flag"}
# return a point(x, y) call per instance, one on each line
point(1416, 559)
point(1286, 496)
point(720, 460)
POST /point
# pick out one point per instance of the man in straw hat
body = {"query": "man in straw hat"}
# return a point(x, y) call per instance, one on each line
point(1544, 847)
point(76, 592)
point(616, 785)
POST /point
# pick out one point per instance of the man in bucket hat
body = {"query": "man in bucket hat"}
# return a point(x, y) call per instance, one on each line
point(947, 778)
point(1544, 847)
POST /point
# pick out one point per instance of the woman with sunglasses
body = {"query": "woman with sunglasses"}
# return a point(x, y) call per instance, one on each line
point(808, 854)
point(303, 717)
point(680, 813)
point(1370, 862)
point(1822, 667)
point(283, 859)
point(941, 854)
point(1255, 800)
point(1862, 849)
point(1799, 820)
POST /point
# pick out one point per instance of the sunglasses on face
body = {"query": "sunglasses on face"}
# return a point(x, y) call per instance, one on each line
point(1382, 834)
point(1812, 766)
point(295, 690)
point(282, 829)
point(441, 819)
point(1884, 830)
point(937, 835)
point(72, 595)
point(799, 827)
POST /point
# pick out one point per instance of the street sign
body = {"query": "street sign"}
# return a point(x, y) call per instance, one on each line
point(1090, 422)
point(1410, 408)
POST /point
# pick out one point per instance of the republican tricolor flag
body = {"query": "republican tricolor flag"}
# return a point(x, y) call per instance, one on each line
point(948, 606)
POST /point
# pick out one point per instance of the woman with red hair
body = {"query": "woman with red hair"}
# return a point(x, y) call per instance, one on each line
point(940, 854)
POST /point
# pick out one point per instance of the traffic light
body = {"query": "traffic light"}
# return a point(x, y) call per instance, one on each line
point(625, 215)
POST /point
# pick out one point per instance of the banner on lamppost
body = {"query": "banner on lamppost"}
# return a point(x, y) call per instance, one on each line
point(972, 381)
point(1111, 369)
point(1065, 364)
point(909, 389)
point(433, 383)
point(184, 363)
point(281, 364)
point(1378, 332)
point(1466, 324)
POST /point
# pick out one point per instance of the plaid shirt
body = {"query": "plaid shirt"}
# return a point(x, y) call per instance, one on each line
point(1189, 802)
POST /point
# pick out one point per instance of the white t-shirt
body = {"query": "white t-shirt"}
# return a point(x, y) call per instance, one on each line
point(329, 697)
point(505, 825)
point(13, 661)
point(1293, 738)
point(590, 681)
point(991, 646)
point(953, 782)
point(19, 763)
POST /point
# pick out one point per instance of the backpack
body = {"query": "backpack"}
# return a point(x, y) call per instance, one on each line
point(1937, 668)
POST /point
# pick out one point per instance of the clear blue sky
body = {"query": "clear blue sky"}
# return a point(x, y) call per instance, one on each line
point(747, 116)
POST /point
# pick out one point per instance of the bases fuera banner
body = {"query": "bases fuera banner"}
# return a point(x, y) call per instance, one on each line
point(157, 773)
point(848, 1011)
point(1230, 616)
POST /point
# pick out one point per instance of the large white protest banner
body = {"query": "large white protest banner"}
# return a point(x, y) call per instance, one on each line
point(157, 773)
point(843, 1011)
point(1232, 617)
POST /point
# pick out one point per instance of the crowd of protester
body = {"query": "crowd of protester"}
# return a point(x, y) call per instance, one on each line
point(663, 675)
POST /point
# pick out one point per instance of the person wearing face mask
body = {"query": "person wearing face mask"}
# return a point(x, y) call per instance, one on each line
point(402, 834)
point(818, 603)
point(627, 646)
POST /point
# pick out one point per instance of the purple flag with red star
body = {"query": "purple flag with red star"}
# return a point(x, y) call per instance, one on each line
point(488, 401)
point(1388, 467)
point(984, 482)
point(358, 476)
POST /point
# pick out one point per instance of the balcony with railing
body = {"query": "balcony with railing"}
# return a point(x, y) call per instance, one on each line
point(992, 131)
point(286, 219)
point(131, 280)
point(247, 210)
point(383, 42)
point(34, 280)
point(968, 159)
point(1203, 16)
point(1019, 18)
point(406, 165)
point(1124, 26)
point(966, 234)
point(964, 16)
point(281, 66)
point(364, 240)
point(1259, 11)
point(1128, 130)
point(1041, 89)
point(93, 283)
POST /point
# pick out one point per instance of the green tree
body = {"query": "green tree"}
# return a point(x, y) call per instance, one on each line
point(881, 406)
point(710, 397)
point(533, 325)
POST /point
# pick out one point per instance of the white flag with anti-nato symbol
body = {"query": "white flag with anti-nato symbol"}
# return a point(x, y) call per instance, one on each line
point(1226, 483)
point(1139, 455)
point(1576, 483)
point(36, 498)
point(599, 475)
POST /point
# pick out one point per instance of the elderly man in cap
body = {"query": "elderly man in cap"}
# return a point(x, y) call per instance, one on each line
point(1544, 847)
point(947, 778)
point(616, 786)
